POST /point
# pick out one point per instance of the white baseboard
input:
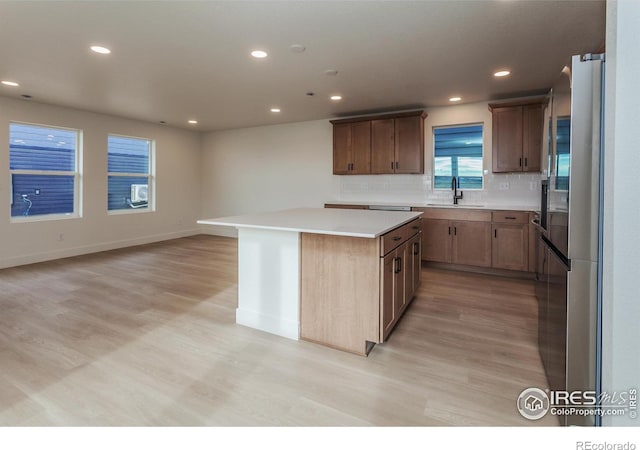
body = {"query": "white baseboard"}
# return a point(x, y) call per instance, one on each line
point(270, 324)
point(93, 248)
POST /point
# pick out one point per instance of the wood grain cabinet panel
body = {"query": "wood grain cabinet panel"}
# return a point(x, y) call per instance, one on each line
point(436, 240)
point(532, 131)
point(361, 148)
point(409, 144)
point(510, 246)
point(352, 148)
point(383, 154)
point(381, 144)
point(471, 243)
point(341, 149)
point(479, 238)
point(507, 139)
point(354, 290)
point(517, 130)
point(414, 268)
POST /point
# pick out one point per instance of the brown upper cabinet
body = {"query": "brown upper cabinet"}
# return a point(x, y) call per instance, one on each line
point(352, 148)
point(394, 144)
point(517, 135)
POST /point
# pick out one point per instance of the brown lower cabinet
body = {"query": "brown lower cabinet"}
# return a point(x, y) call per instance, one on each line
point(457, 242)
point(400, 276)
point(353, 291)
point(479, 238)
point(471, 243)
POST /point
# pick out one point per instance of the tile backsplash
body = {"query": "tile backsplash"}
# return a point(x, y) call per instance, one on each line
point(499, 189)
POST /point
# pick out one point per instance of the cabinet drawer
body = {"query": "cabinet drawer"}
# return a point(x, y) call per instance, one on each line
point(394, 238)
point(516, 217)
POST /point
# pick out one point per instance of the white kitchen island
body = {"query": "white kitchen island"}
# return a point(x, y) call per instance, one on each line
point(271, 253)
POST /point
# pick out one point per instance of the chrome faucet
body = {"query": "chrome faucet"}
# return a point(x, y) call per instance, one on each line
point(454, 188)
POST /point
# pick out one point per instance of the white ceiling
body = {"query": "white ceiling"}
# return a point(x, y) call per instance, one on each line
point(179, 60)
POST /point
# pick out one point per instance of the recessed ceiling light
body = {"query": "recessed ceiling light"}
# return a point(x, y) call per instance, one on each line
point(100, 49)
point(502, 73)
point(259, 54)
point(455, 99)
point(10, 83)
point(297, 48)
point(335, 98)
point(275, 110)
point(193, 122)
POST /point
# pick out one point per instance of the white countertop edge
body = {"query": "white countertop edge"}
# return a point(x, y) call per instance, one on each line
point(215, 222)
point(292, 229)
point(488, 206)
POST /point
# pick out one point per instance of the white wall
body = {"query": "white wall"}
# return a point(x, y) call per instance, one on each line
point(266, 168)
point(177, 188)
point(621, 304)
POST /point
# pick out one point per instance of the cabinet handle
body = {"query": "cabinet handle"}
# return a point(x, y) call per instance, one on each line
point(397, 164)
point(510, 218)
point(416, 248)
point(455, 231)
point(525, 162)
point(398, 265)
point(449, 231)
point(416, 227)
point(495, 233)
point(391, 165)
point(520, 163)
point(397, 238)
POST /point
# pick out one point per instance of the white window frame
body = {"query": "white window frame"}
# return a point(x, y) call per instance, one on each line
point(151, 177)
point(76, 173)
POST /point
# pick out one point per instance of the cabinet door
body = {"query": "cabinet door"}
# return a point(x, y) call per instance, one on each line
point(471, 243)
point(360, 148)
point(436, 240)
point(507, 139)
point(403, 280)
point(382, 146)
point(532, 130)
point(510, 247)
point(413, 248)
point(409, 145)
point(387, 290)
point(341, 148)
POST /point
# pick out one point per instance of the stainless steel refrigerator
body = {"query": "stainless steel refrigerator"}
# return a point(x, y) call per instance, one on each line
point(570, 232)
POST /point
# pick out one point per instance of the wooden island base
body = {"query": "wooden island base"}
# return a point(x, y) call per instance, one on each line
point(354, 290)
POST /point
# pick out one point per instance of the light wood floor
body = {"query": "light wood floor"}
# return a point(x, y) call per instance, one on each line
point(146, 336)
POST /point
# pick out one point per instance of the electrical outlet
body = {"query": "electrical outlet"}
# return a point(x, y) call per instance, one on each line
point(503, 186)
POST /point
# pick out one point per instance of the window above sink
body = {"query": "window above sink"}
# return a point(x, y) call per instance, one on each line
point(458, 153)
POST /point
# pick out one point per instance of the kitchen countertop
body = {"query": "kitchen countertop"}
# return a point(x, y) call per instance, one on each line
point(337, 222)
point(490, 206)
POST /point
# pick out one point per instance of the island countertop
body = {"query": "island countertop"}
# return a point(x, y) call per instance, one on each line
point(337, 222)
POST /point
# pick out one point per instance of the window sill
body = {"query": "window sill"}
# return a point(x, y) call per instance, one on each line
point(124, 212)
point(44, 218)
